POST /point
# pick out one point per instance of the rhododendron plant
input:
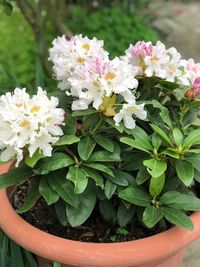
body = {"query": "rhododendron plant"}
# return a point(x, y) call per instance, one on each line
point(125, 145)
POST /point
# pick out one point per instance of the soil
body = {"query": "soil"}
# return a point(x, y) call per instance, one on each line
point(94, 229)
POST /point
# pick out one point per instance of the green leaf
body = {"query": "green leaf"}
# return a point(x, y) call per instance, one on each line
point(178, 136)
point(88, 111)
point(179, 200)
point(194, 159)
point(16, 255)
point(67, 140)
point(152, 216)
point(60, 209)
point(133, 143)
point(57, 161)
point(197, 175)
point(135, 196)
point(110, 189)
point(122, 178)
point(124, 214)
point(155, 167)
point(31, 161)
point(156, 185)
point(47, 191)
point(119, 128)
point(161, 133)
point(78, 177)
point(99, 167)
point(15, 177)
point(77, 216)
point(63, 188)
point(178, 217)
point(142, 175)
point(70, 126)
point(164, 113)
point(106, 156)
point(108, 211)
point(94, 175)
point(141, 137)
point(86, 146)
point(191, 139)
point(156, 141)
point(170, 153)
point(32, 196)
point(104, 142)
point(56, 264)
point(185, 171)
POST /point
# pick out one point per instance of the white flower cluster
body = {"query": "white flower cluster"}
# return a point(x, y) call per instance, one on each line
point(155, 60)
point(85, 71)
point(28, 124)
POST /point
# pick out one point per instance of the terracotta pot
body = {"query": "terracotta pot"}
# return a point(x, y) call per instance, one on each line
point(163, 250)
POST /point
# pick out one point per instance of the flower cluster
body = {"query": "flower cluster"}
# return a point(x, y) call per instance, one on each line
point(86, 73)
point(155, 60)
point(28, 124)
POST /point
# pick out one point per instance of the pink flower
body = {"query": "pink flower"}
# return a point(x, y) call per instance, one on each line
point(142, 49)
point(196, 85)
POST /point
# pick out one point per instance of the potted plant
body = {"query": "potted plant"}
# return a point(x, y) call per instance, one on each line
point(119, 162)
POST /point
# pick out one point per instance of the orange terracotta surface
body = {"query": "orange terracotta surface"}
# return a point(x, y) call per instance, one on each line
point(163, 250)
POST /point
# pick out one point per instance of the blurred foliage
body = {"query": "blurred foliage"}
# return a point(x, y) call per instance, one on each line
point(117, 22)
point(17, 51)
point(115, 26)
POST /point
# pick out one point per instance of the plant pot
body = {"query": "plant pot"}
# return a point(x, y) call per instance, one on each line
point(161, 250)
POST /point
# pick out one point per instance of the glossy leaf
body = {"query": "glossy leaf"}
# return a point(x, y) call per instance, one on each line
point(31, 161)
point(185, 171)
point(124, 214)
point(77, 216)
point(110, 189)
point(161, 133)
point(99, 167)
point(102, 156)
point(15, 177)
point(57, 161)
point(179, 200)
point(67, 140)
point(63, 188)
point(94, 175)
point(133, 143)
point(152, 215)
point(155, 167)
point(178, 136)
point(104, 142)
point(178, 217)
point(47, 191)
point(156, 185)
point(135, 196)
point(32, 196)
point(108, 211)
point(86, 146)
point(191, 139)
point(79, 179)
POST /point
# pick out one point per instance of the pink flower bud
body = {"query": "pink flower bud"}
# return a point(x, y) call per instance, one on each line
point(196, 85)
point(142, 49)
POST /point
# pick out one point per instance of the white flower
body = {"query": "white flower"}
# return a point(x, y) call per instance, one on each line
point(28, 123)
point(172, 68)
point(66, 55)
point(135, 55)
point(97, 79)
point(127, 112)
point(156, 61)
point(190, 71)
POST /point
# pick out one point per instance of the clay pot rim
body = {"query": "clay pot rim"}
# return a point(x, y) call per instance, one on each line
point(77, 253)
